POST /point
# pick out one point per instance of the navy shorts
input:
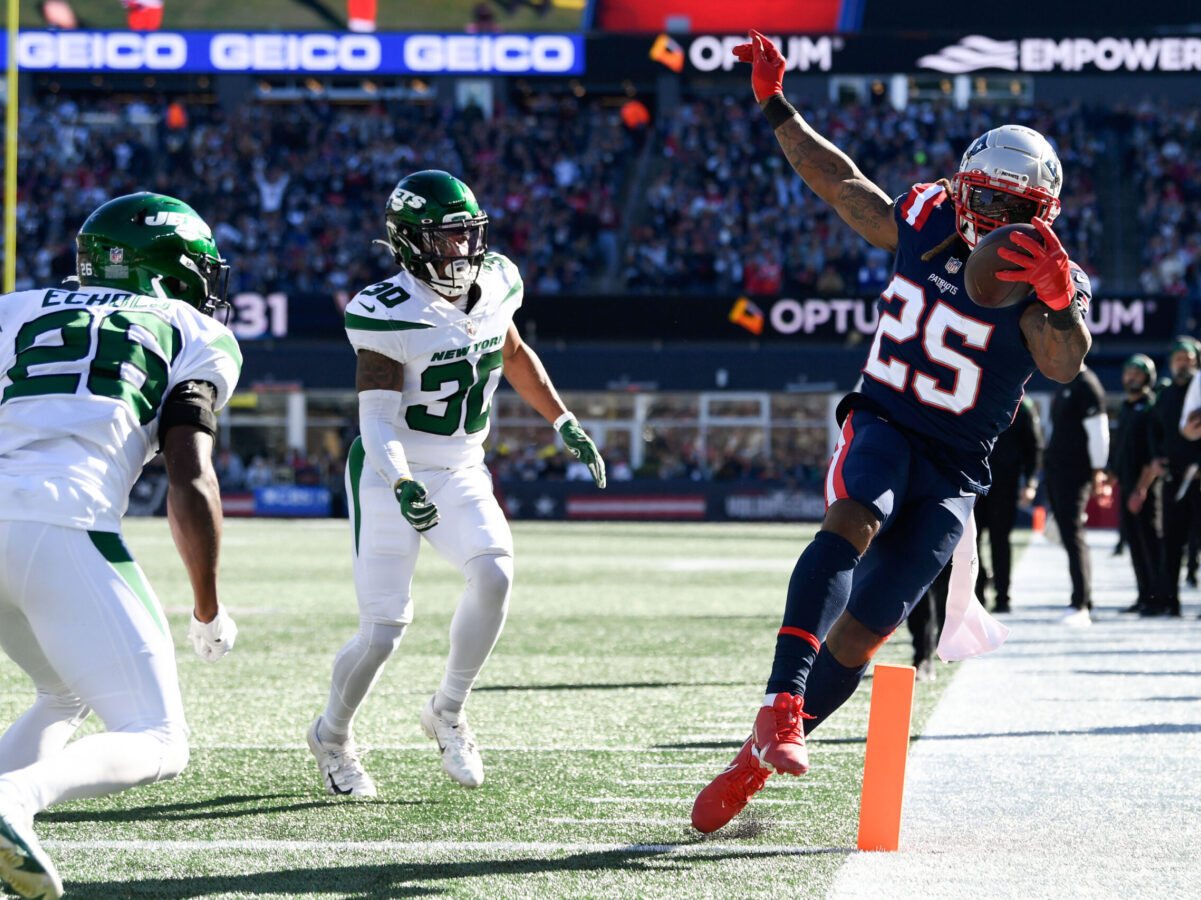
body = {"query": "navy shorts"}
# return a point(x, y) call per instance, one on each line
point(922, 512)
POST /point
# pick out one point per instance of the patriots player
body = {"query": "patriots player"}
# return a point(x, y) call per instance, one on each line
point(95, 379)
point(942, 379)
point(432, 342)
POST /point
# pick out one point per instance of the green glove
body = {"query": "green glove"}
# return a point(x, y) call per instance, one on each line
point(415, 505)
point(581, 447)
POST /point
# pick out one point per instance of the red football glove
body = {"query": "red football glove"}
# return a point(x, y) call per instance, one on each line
point(767, 72)
point(1046, 267)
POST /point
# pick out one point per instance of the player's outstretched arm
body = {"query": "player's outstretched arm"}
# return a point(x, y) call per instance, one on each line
point(829, 172)
point(524, 370)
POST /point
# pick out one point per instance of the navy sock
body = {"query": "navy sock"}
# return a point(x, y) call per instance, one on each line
point(830, 686)
point(817, 595)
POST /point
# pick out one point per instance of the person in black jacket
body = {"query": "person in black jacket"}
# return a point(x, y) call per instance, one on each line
point(1176, 459)
point(1016, 461)
point(1075, 469)
point(1129, 458)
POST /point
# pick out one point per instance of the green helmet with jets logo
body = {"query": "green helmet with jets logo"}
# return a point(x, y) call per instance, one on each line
point(437, 231)
point(154, 245)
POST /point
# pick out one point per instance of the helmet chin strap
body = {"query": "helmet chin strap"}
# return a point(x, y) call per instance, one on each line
point(457, 283)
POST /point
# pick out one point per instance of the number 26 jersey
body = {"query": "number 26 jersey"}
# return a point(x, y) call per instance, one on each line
point(83, 376)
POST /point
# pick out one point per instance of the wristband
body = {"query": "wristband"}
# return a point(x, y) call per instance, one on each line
point(563, 420)
point(778, 111)
point(1067, 318)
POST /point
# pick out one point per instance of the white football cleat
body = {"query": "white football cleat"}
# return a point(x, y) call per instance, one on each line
point(460, 755)
point(24, 865)
point(341, 772)
point(1077, 618)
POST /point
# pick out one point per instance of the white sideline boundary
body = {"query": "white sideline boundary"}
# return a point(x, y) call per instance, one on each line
point(1065, 764)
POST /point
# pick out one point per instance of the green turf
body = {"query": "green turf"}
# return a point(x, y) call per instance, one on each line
point(393, 15)
point(628, 675)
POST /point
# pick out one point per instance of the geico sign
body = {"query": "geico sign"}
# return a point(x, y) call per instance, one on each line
point(548, 53)
point(709, 53)
point(294, 52)
point(101, 50)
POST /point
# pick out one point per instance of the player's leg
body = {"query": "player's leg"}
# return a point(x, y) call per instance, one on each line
point(1067, 491)
point(384, 551)
point(901, 566)
point(867, 474)
point(474, 536)
point(100, 627)
point(1002, 516)
point(45, 727)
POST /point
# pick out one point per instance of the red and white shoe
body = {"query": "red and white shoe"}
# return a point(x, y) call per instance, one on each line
point(780, 736)
point(728, 793)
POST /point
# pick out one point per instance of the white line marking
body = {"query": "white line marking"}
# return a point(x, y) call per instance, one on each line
point(451, 848)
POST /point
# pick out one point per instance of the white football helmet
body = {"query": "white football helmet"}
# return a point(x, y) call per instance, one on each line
point(1010, 174)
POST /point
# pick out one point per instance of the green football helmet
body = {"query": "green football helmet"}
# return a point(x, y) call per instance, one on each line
point(153, 245)
point(437, 231)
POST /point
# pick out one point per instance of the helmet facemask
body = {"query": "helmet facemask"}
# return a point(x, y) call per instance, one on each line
point(446, 256)
point(207, 291)
point(983, 204)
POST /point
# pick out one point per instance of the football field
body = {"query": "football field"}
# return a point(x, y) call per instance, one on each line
point(627, 677)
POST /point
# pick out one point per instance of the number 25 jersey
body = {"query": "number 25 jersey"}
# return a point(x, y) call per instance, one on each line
point(83, 376)
point(947, 371)
point(452, 359)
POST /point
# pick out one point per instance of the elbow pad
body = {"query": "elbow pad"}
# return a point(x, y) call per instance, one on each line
point(378, 413)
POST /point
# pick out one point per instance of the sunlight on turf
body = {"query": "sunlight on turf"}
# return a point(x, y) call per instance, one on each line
point(624, 672)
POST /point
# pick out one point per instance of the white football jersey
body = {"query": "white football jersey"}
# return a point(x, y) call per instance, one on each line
point(452, 360)
point(83, 376)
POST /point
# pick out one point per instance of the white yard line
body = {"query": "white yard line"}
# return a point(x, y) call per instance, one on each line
point(457, 849)
point(1065, 764)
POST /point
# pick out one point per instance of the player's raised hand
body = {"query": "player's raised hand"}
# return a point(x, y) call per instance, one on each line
point(415, 505)
point(1045, 266)
point(767, 65)
point(582, 448)
point(212, 640)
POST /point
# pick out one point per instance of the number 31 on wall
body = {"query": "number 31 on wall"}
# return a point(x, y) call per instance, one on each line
point(256, 316)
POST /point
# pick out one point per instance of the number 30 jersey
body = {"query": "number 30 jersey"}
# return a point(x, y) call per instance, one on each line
point(452, 359)
point(83, 376)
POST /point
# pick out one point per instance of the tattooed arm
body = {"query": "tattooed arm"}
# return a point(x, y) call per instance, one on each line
point(835, 178)
point(1058, 352)
point(376, 372)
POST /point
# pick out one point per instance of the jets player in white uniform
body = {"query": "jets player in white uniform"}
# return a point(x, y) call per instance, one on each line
point(432, 342)
point(94, 381)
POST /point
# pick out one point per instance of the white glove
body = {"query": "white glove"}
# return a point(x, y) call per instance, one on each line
point(214, 639)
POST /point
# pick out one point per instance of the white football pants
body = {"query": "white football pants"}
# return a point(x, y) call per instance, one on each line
point(77, 614)
point(472, 534)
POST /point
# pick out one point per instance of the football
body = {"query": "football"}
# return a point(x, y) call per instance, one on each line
point(983, 264)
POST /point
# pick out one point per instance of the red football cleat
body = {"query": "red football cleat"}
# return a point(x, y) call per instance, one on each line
point(780, 736)
point(728, 793)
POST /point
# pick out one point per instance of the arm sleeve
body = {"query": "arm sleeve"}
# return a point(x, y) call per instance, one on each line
point(378, 413)
point(191, 403)
point(1192, 401)
point(1097, 429)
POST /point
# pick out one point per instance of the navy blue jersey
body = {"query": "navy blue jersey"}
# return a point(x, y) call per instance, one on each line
point(947, 371)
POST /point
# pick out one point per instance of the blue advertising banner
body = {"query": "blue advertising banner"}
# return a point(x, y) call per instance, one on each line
point(318, 53)
point(291, 500)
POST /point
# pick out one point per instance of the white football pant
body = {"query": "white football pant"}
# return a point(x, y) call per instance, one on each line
point(472, 535)
point(77, 614)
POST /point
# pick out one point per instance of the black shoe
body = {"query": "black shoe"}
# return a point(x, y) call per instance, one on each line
point(1150, 612)
point(1000, 607)
point(1136, 607)
point(1191, 579)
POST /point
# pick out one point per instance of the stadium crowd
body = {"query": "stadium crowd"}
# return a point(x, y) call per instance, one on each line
point(295, 188)
point(721, 175)
point(1165, 154)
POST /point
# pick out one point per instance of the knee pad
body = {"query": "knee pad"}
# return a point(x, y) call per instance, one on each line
point(491, 577)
